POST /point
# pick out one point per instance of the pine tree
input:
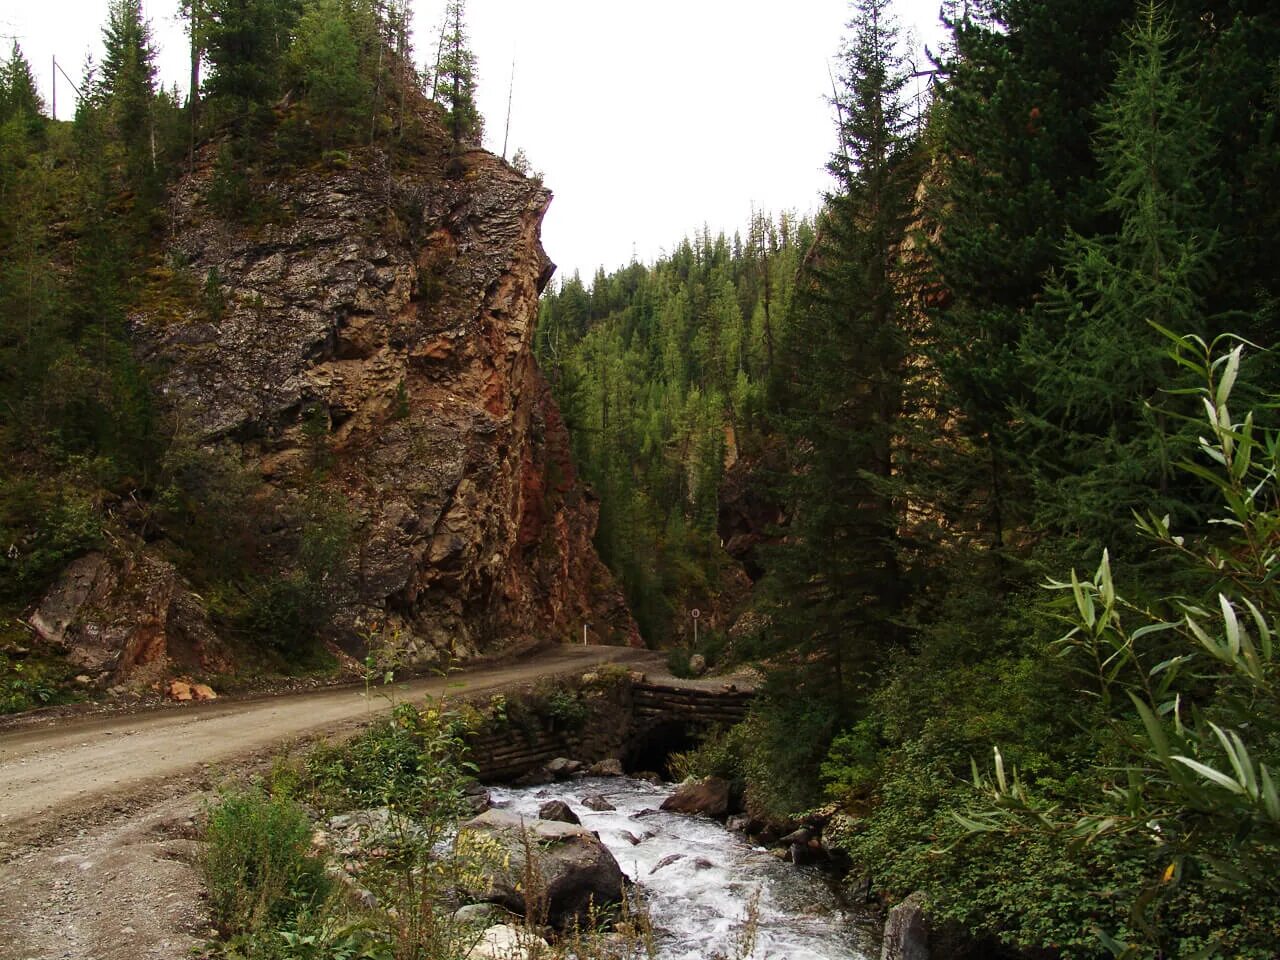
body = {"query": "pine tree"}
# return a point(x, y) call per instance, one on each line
point(455, 81)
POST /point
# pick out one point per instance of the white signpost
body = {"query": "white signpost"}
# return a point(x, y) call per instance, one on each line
point(695, 613)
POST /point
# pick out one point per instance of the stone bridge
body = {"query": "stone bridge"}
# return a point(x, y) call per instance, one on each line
point(641, 720)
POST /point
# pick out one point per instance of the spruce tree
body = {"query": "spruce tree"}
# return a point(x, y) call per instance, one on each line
point(455, 81)
point(836, 582)
point(245, 42)
point(1013, 127)
point(125, 88)
point(1100, 373)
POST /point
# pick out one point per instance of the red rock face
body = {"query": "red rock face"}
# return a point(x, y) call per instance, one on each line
point(397, 307)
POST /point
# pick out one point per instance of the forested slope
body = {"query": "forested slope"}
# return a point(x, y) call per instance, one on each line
point(1008, 343)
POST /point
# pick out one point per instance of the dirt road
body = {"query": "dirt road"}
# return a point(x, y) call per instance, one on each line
point(97, 816)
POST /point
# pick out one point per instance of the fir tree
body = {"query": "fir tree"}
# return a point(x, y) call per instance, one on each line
point(455, 81)
point(837, 582)
point(1098, 358)
point(125, 87)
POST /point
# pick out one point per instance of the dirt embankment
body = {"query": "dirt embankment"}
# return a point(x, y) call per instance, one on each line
point(97, 817)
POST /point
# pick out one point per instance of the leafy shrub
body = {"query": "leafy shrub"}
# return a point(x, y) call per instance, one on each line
point(565, 710)
point(258, 868)
point(27, 684)
point(43, 526)
point(414, 761)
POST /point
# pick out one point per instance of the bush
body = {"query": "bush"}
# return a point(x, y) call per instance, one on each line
point(43, 527)
point(258, 868)
point(414, 761)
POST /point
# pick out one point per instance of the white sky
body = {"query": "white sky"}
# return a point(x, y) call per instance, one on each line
point(647, 119)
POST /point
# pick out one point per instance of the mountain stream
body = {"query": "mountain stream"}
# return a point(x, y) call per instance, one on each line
point(699, 879)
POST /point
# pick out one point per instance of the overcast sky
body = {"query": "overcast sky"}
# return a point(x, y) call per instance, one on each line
point(648, 119)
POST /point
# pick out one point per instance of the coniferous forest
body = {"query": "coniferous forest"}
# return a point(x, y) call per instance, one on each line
point(1003, 414)
point(977, 465)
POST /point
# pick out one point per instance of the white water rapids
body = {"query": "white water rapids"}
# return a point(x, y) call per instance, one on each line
point(698, 902)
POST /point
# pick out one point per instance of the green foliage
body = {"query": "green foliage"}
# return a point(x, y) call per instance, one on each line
point(836, 581)
point(1101, 452)
point(455, 77)
point(287, 609)
point(652, 369)
point(28, 682)
point(246, 42)
point(44, 525)
point(257, 867)
point(565, 710)
point(1196, 790)
point(19, 99)
point(326, 58)
point(230, 192)
point(415, 761)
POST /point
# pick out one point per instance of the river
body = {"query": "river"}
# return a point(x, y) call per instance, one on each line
point(698, 901)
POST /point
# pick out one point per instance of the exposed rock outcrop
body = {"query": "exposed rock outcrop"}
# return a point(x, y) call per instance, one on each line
point(126, 615)
point(380, 321)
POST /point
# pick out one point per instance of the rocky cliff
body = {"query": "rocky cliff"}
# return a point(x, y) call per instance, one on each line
point(378, 318)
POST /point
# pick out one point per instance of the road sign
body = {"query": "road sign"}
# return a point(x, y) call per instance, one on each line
point(695, 613)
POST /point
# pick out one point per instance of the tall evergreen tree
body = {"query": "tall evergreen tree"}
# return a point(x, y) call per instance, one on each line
point(125, 87)
point(1013, 126)
point(838, 585)
point(455, 81)
point(245, 42)
point(1100, 373)
point(327, 60)
point(18, 95)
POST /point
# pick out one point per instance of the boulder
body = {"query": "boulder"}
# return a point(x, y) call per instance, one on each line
point(906, 931)
point(806, 853)
point(801, 836)
point(505, 942)
point(572, 870)
point(363, 833)
point(708, 797)
point(697, 665)
point(562, 768)
point(597, 803)
point(666, 861)
point(127, 617)
point(611, 767)
point(557, 810)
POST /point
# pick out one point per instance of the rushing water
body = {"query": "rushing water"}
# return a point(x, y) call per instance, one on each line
point(698, 902)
